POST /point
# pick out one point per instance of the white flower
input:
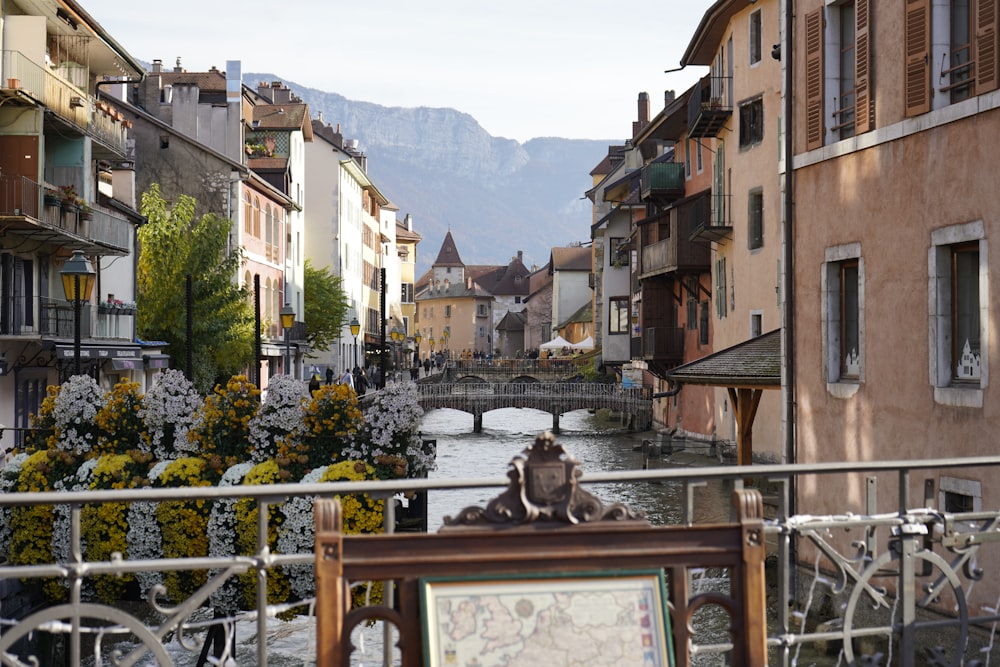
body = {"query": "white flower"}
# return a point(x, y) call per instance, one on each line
point(74, 412)
point(221, 535)
point(296, 536)
point(168, 411)
point(280, 416)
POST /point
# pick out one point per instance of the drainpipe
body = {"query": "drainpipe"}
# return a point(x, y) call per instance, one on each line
point(668, 394)
point(791, 449)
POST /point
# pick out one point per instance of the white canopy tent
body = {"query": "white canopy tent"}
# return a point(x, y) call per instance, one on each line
point(556, 343)
point(585, 344)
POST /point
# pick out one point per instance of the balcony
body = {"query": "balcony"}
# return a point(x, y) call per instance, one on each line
point(23, 78)
point(675, 254)
point(663, 346)
point(31, 212)
point(709, 218)
point(710, 106)
point(662, 181)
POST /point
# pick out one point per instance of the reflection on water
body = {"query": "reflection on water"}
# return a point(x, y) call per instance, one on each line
point(599, 445)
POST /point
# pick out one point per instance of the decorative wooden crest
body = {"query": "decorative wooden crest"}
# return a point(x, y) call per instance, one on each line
point(543, 488)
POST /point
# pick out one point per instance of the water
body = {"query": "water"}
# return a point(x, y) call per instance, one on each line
point(600, 446)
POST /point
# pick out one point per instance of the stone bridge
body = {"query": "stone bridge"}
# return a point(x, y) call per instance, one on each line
point(555, 398)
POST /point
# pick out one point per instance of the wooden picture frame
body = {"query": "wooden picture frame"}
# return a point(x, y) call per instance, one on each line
point(619, 617)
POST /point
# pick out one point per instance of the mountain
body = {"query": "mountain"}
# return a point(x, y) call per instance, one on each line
point(496, 195)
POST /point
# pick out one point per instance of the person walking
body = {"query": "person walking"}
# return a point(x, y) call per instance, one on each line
point(314, 383)
point(329, 374)
point(360, 383)
point(347, 378)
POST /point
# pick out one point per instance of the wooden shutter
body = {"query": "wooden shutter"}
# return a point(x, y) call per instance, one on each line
point(917, 42)
point(986, 46)
point(814, 79)
point(864, 107)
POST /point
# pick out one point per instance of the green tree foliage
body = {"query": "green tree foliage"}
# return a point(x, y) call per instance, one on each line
point(172, 246)
point(326, 307)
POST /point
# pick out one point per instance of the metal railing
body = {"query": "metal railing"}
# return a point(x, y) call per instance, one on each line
point(910, 573)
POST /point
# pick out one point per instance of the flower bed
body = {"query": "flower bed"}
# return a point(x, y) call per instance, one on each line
point(172, 438)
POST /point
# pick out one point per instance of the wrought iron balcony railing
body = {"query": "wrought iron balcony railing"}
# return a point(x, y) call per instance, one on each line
point(710, 106)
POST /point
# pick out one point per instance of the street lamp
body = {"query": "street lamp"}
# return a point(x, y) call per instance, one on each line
point(355, 330)
point(416, 344)
point(287, 322)
point(78, 282)
point(397, 337)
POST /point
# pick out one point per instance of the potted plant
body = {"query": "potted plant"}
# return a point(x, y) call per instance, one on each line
point(86, 213)
point(52, 197)
point(70, 199)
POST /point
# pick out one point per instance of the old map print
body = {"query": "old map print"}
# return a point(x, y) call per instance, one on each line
point(603, 621)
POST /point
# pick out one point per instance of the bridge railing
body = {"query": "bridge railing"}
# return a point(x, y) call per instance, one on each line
point(905, 565)
point(555, 390)
point(563, 366)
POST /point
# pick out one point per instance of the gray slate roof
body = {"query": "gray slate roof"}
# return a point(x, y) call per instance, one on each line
point(753, 363)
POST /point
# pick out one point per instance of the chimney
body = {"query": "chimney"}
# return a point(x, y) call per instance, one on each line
point(157, 66)
point(520, 255)
point(280, 94)
point(408, 222)
point(177, 66)
point(643, 117)
point(668, 97)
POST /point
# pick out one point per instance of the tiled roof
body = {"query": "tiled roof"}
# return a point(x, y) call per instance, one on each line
point(753, 363)
point(206, 81)
point(289, 116)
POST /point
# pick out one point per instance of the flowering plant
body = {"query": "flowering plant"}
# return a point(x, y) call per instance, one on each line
point(222, 426)
point(279, 417)
point(183, 524)
point(330, 421)
point(390, 438)
point(227, 599)
point(120, 425)
point(168, 410)
point(74, 412)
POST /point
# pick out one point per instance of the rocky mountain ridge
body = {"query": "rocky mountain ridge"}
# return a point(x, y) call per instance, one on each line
point(496, 195)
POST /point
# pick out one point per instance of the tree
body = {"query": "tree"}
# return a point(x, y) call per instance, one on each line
point(326, 307)
point(173, 246)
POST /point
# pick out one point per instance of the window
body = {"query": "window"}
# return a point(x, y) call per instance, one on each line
point(838, 72)
point(755, 219)
point(618, 315)
point(844, 114)
point(751, 123)
point(447, 311)
point(720, 288)
point(703, 324)
point(965, 326)
point(960, 495)
point(843, 316)
point(756, 323)
point(954, 50)
point(959, 322)
point(755, 37)
point(700, 161)
point(481, 310)
point(407, 293)
point(687, 158)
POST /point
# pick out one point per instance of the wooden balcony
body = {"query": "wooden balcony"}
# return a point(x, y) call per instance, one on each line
point(676, 253)
point(662, 181)
point(663, 346)
point(710, 106)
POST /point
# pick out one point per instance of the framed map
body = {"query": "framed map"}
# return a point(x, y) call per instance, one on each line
point(605, 619)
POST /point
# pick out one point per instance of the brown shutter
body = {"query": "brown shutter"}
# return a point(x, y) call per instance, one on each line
point(986, 46)
point(917, 41)
point(864, 107)
point(814, 79)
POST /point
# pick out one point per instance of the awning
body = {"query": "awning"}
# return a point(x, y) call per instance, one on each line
point(746, 370)
point(102, 352)
point(126, 364)
point(156, 360)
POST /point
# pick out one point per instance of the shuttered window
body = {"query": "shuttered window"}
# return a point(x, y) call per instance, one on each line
point(814, 79)
point(987, 51)
point(916, 41)
point(864, 115)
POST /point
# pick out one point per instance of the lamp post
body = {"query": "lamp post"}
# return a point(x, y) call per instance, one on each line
point(355, 330)
point(397, 336)
point(78, 282)
point(416, 347)
point(287, 314)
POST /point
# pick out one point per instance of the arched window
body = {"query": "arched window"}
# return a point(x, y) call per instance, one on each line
point(247, 213)
point(256, 217)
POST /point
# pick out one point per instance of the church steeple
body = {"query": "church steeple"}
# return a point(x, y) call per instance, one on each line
point(448, 255)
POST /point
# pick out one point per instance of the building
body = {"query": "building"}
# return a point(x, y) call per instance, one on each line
point(66, 186)
point(737, 108)
point(570, 268)
point(198, 134)
point(894, 284)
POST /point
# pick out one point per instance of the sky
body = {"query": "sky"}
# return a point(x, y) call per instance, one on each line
point(521, 68)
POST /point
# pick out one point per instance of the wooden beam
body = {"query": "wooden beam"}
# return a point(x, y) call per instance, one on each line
point(745, 402)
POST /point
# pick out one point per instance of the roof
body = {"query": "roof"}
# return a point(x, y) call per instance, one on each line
point(584, 313)
point(513, 321)
point(574, 258)
point(212, 80)
point(448, 255)
point(753, 363)
point(289, 117)
point(712, 31)
point(510, 280)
